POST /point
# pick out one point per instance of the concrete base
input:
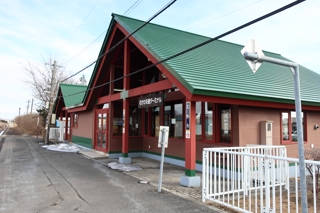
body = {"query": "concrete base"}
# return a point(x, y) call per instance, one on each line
point(124, 160)
point(190, 181)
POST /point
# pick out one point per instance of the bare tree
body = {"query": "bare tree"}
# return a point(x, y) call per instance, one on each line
point(38, 76)
point(83, 80)
point(314, 155)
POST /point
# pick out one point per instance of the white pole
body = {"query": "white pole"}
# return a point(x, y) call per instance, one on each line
point(162, 159)
point(295, 67)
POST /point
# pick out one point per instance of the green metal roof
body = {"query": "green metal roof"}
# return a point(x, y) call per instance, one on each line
point(219, 69)
point(73, 94)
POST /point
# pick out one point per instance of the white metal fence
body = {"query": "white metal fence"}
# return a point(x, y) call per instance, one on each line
point(256, 179)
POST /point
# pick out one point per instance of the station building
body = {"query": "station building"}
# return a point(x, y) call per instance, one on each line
point(209, 97)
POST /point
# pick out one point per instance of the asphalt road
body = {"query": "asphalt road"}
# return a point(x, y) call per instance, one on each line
point(33, 179)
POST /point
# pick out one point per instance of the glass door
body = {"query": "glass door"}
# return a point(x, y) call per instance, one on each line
point(101, 130)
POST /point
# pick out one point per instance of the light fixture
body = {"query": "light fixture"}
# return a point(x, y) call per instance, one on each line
point(163, 76)
point(118, 90)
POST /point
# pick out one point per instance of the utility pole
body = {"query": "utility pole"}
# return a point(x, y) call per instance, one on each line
point(52, 92)
point(31, 106)
point(28, 106)
point(19, 111)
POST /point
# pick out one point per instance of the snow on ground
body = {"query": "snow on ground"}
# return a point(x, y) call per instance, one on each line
point(62, 148)
point(124, 167)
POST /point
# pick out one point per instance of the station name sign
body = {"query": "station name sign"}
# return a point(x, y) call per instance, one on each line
point(150, 101)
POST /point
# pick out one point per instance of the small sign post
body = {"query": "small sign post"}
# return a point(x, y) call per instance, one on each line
point(163, 143)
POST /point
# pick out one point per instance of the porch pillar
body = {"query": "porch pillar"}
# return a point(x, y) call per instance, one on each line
point(190, 179)
point(125, 109)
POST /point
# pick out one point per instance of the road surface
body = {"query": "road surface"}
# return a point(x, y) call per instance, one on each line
point(37, 180)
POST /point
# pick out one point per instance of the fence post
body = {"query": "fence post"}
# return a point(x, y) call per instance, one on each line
point(204, 167)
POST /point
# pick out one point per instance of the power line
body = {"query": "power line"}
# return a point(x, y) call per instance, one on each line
point(125, 38)
point(162, 38)
point(87, 46)
point(226, 14)
point(198, 45)
point(132, 6)
point(81, 24)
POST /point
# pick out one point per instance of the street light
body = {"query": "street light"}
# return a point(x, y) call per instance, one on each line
point(250, 53)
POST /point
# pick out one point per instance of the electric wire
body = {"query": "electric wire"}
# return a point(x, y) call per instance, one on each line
point(102, 33)
point(81, 24)
point(169, 36)
point(125, 38)
point(132, 6)
point(196, 46)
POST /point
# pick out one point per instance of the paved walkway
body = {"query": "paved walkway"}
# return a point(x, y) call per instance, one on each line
point(150, 173)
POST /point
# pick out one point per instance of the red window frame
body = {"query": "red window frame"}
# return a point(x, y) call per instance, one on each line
point(304, 127)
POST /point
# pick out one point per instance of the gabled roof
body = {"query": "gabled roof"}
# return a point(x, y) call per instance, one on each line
point(219, 69)
point(216, 69)
point(73, 94)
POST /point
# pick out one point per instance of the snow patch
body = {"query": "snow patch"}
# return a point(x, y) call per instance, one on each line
point(124, 167)
point(62, 148)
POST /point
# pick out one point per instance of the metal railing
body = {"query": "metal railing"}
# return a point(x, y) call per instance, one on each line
point(256, 179)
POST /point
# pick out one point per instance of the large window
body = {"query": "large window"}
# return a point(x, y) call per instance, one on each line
point(289, 127)
point(213, 121)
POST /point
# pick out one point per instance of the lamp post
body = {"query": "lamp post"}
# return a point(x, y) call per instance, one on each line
point(253, 55)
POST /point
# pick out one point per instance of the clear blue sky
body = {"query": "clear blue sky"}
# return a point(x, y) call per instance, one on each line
point(30, 30)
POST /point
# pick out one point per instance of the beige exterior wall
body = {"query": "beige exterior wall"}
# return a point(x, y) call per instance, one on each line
point(249, 124)
point(249, 128)
point(85, 124)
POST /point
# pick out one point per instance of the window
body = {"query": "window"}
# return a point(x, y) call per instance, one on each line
point(205, 121)
point(198, 121)
point(155, 122)
point(209, 120)
point(225, 124)
point(117, 119)
point(178, 118)
point(289, 127)
point(146, 121)
point(134, 121)
point(173, 117)
point(75, 119)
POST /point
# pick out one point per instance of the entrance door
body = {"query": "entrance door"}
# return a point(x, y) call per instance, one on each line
point(101, 130)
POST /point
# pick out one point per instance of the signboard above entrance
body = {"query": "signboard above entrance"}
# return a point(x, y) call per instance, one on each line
point(150, 101)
